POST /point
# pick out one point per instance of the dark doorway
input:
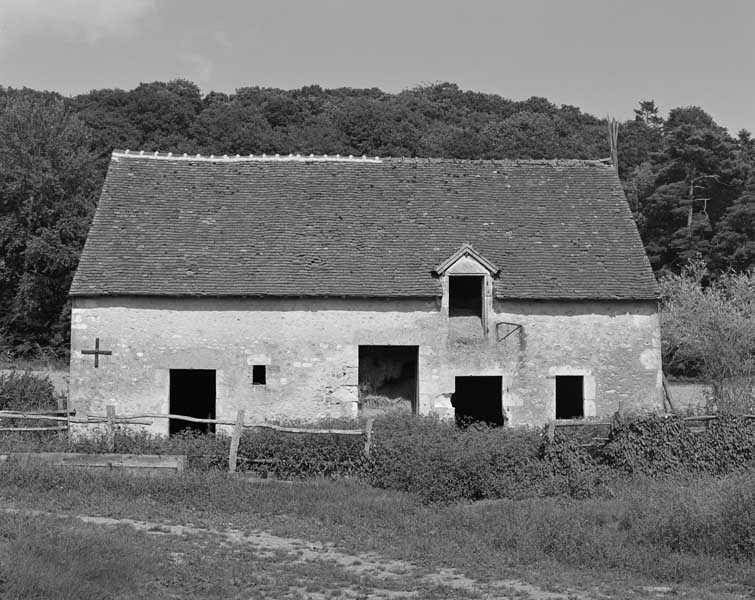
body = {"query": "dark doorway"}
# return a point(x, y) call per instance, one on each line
point(478, 400)
point(192, 394)
point(388, 378)
point(465, 296)
point(570, 397)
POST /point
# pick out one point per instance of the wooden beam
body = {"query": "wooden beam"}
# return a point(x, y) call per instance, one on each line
point(129, 462)
point(29, 416)
point(59, 428)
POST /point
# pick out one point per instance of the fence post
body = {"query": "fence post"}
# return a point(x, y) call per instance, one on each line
point(237, 429)
point(110, 434)
point(368, 437)
point(551, 430)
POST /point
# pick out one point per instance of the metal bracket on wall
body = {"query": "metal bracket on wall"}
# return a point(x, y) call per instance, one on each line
point(500, 336)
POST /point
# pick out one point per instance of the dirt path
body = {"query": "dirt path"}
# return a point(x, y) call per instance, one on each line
point(369, 564)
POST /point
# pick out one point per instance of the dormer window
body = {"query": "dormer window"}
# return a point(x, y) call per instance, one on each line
point(465, 294)
point(467, 286)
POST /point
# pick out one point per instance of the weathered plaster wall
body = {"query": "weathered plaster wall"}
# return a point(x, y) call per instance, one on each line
point(310, 347)
point(615, 346)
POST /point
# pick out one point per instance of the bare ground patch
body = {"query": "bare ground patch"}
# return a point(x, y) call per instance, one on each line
point(194, 561)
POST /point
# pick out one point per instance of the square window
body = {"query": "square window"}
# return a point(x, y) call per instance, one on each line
point(259, 375)
point(465, 296)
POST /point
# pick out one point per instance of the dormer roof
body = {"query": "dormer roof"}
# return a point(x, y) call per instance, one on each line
point(468, 252)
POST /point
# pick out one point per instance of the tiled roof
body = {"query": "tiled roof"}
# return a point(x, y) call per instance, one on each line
point(301, 226)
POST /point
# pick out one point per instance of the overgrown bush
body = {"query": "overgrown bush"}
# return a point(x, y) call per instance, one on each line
point(442, 463)
point(577, 470)
point(24, 390)
point(658, 445)
point(301, 455)
point(203, 451)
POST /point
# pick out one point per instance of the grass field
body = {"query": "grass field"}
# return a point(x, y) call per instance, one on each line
point(213, 536)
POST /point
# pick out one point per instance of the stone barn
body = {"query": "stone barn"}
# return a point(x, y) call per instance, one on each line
point(303, 287)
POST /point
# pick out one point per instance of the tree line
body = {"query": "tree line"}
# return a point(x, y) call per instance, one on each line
point(690, 184)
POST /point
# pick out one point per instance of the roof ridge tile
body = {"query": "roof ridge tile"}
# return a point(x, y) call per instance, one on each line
point(117, 154)
point(301, 157)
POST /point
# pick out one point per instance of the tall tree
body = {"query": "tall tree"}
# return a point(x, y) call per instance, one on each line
point(48, 183)
point(734, 242)
point(640, 139)
point(164, 113)
point(696, 181)
point(647, 113)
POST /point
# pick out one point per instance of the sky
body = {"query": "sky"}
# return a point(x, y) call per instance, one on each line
point(602, 56)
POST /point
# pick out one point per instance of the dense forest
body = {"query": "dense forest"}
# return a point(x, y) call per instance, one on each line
point(690, 184)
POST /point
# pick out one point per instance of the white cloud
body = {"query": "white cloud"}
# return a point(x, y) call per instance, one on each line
point(91, 20)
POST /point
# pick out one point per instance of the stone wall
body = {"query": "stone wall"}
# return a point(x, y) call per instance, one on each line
point(311, 346)
point(615, 346)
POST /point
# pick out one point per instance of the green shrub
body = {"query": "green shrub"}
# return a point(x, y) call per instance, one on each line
point(204, 451)
point(656, 445)
point(24, 390)
point(442, 463)
point(301, 455)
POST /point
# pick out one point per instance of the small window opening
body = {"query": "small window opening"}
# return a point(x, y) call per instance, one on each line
point(465, 296)
point(570, 400)
point(259, 375)
point(388, 379)
point(192, 394)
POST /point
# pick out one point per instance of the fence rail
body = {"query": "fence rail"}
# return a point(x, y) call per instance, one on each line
point(38, 415)
point(111, 419)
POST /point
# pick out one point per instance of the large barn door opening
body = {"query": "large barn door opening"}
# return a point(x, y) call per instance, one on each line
point(478, 400)
point(388, 378)
point(192, 394)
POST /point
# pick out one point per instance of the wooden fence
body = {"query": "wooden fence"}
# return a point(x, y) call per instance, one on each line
point(56, 416)
point(592, 433)
point(65, 418)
